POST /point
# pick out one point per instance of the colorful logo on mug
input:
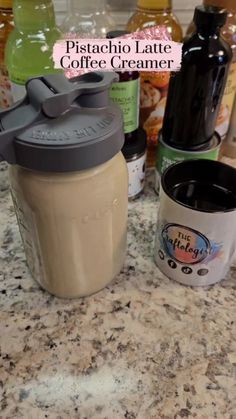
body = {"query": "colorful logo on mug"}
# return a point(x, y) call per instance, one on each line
point(184, 244)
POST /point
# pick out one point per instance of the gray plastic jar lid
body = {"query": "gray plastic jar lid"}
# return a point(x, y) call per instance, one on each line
point(62, 125)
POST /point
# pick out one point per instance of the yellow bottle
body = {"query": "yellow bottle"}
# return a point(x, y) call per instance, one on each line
point(154, 86)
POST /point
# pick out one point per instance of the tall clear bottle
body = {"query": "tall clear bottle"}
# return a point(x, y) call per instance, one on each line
point(154, 86)
point(6, 26)
point(30, 44)
point(88, 19)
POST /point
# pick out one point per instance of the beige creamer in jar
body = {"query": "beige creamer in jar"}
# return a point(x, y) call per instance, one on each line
point(73, 225)
point(69, 184)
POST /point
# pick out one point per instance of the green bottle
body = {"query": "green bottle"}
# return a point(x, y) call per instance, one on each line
point(30, 44)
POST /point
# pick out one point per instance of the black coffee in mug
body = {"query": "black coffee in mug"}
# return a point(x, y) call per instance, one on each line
point(203, 196)
point(201, 186)
point(196, 233)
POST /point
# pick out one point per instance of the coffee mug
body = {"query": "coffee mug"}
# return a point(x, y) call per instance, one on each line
point(196, 230)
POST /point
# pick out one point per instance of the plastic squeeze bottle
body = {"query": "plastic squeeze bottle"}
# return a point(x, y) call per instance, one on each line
point(154, 85)
point(6, 20)
point(30, 44)
point(229, 33)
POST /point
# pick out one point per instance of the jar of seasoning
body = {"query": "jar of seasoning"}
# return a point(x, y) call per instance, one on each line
point(135, 156)
point(126, 94)
point(69, 181)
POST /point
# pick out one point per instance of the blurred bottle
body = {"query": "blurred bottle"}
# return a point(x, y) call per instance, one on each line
point(229, 33)
point(6, 26)
point(88, 19)
point(154, 86)
point(29, 46)
point(228, 152)
point(121, 10)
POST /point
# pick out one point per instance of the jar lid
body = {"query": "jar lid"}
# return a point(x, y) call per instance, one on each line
point(63, 125)
point(137, 146)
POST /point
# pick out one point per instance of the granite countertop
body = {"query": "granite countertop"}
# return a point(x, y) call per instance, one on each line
point(145, 347)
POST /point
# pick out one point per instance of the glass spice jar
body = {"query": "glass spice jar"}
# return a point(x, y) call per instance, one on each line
point(135, 153)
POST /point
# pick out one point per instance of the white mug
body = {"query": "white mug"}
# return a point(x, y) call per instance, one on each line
point(196, 230)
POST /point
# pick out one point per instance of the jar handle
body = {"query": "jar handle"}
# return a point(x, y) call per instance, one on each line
point(90, 90)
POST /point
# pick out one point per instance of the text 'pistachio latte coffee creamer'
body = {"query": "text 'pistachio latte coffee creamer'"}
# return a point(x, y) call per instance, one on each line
point(69, 181)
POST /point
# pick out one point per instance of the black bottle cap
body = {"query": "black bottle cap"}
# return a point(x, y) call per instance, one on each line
point(116, 34)
point(137, 146)
point(210, 16)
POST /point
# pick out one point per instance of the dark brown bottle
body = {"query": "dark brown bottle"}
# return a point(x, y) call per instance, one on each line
point(229, 34)
point(126, 94)
point(196, 91)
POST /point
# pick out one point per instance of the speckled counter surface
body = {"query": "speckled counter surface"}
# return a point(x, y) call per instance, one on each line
point(145, 347)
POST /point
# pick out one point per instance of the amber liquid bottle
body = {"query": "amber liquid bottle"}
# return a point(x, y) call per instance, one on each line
point(229, 33)
point(154, 86)
point(6, 26)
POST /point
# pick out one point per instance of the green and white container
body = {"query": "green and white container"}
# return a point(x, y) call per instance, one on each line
point(167, 155)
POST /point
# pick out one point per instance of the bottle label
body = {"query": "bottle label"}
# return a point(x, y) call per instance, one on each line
point(226, 107)
point(136, 171)
point(126, 96)
point(5, 88)
point(154, 89)
point(18, 91)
